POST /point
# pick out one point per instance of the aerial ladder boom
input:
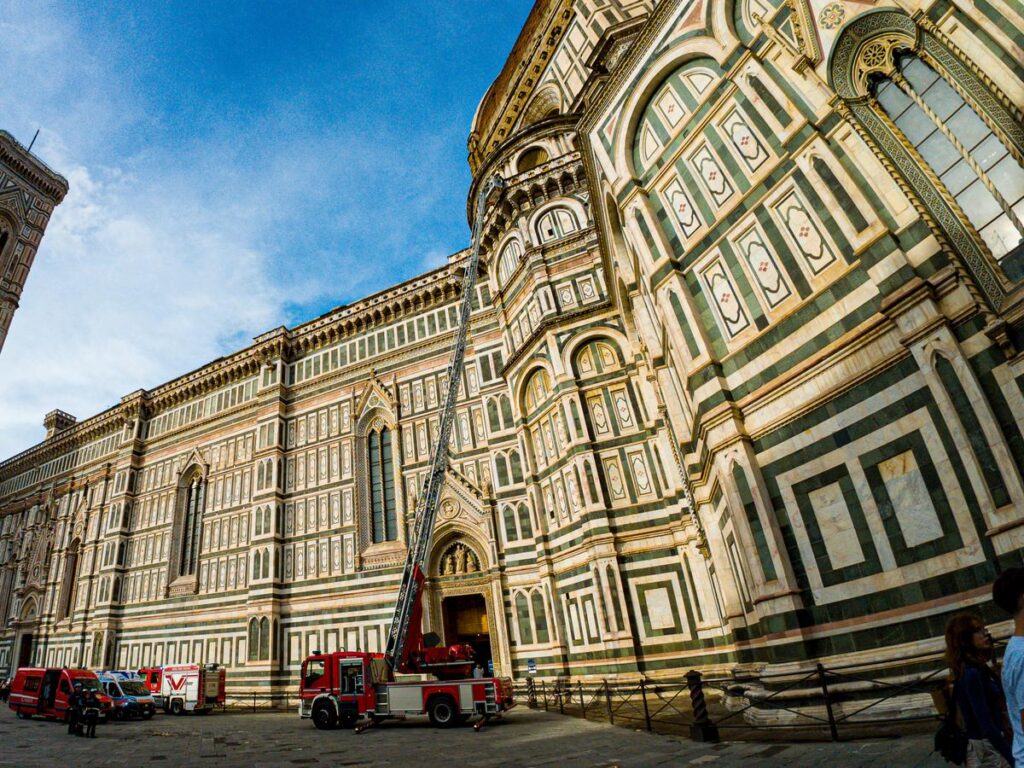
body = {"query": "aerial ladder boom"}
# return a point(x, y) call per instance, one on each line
point(406, 632)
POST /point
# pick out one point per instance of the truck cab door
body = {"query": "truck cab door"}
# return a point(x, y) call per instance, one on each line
point(351, 688)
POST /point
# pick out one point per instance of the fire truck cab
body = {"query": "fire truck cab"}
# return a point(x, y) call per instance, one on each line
point(344, 687)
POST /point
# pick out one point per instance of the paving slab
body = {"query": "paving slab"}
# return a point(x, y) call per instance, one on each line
point(523, 739)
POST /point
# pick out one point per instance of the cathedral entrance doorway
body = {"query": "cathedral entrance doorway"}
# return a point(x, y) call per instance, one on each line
point(465, 621)
point(25, 649)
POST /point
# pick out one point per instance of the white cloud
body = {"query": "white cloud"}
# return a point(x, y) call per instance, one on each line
point(126, 292)
point(171, 251)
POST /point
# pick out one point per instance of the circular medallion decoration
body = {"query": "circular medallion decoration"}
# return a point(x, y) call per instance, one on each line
point(831, 16)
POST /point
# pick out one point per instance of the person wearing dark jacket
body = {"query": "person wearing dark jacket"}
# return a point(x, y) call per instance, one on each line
point(74, 710)
point(978, 693)
point(90, 713)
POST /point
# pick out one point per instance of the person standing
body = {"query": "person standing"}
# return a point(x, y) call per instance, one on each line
point(1008, 594)
point(74, 707)
point(977, 693)
point(90, 713)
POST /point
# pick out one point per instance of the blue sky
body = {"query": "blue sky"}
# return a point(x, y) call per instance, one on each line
point(234, 166)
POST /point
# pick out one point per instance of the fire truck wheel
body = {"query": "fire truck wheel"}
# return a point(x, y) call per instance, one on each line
point(324, 716)
point(22, 715)
point(442, 711)
point(177, 707)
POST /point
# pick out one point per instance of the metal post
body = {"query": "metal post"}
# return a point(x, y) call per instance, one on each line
point(608, 703)
point(647, 712)
point(833, 730)
point(583, 706)
point(544, 693)
point(561, 701)
point(531, 693)
point(254, 702)
point(702, 728)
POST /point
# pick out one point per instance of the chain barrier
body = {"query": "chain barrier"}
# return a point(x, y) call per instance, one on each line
point(822, 701)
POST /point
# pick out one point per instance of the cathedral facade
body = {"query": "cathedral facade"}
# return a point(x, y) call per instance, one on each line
point(745, 383)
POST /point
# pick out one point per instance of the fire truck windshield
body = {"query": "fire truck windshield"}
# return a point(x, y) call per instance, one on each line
point(89, 684)
point(315, 669)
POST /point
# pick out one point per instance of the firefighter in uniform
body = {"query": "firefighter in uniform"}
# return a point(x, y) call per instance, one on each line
point(90, 713)
point(74, 710)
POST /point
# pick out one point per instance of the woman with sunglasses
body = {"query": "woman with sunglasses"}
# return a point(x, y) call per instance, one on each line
point(977, 692)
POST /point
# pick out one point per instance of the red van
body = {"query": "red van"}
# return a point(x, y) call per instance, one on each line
point(46, 692)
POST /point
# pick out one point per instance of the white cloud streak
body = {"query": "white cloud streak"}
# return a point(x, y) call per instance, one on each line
point(159, 261)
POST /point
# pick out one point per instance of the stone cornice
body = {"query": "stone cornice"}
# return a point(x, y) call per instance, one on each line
point(407, 299)
point(638, 49)
point(50, 183)
point(508, 95)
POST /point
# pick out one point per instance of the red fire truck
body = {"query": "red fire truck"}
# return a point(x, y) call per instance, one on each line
point(344, 687)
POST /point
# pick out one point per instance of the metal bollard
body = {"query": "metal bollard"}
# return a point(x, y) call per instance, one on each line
point(583, 707)
point(702, 728)
point(647, 712)
point(544, 693)
point(608, 703)
point(832, 728)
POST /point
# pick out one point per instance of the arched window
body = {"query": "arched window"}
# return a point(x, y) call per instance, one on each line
point(264, 638)
point(969, 159)
point(256, 565)
point(265, 572)
point(509, 259)
point(266, 519)
point(383, 519)
point(259, 523)
point(531, 158)
point(511, 534)
point(524, 521)
point(492, 416)
point(254, 639)
point(67, 590)
point(523, 614)
point(536, 390)
point(556, 224)
point(192, 527)
point(506, 411)
point(540, 617)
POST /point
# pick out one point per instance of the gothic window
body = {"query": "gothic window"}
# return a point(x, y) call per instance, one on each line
point(265, 572)
point(265, 638)
point(524, 521)
point(556, 224)
point(967, 156)
point(523, 614)
point(256, 565)
point(509, 259)
point(254, 639)
point(539, 616)
point(194, 493)
point(536, 390)
point(510, 525)
point(67, 590)
point(383, 519)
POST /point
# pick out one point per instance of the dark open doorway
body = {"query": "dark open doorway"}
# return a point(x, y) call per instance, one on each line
point(465, 621)
point(25, 650)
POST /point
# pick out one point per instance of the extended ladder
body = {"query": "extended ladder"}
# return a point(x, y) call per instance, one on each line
point(426, 512)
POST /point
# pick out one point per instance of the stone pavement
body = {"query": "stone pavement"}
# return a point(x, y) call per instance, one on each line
point(525, 738)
